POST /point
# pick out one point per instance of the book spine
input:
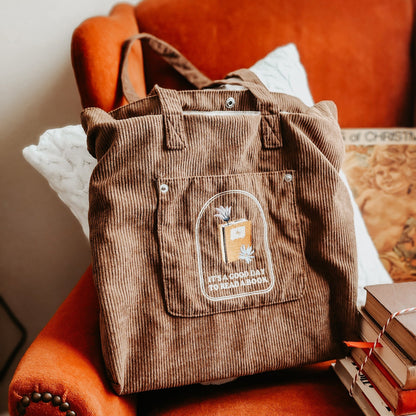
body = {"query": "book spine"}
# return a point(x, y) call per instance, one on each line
point(390, 313)
point(222, 243)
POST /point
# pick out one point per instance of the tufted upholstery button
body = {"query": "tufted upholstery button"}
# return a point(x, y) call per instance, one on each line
point(70, 413)
point(25, 401)
point(46, 397)
point(56, 400)
point(36, 397)
point(64, 407)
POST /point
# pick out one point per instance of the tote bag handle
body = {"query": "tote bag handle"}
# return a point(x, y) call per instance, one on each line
point(270, 126)
point(171, 55)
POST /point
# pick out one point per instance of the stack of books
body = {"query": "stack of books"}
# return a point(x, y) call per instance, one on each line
point(387, 384)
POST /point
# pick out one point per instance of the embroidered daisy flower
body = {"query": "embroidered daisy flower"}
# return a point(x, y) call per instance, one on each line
point(246, 254)
point(224, 213)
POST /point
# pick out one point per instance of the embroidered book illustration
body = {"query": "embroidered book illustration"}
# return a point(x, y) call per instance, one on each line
point(235, 237)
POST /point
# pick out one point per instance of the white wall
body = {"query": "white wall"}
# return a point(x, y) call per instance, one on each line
point(42, 249)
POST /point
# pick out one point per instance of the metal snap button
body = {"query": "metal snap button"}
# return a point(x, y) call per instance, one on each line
point(164, 188)
point(230, 102)
point(288, 177)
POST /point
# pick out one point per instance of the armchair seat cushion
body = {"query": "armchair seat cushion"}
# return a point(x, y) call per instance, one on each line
point(312, 390)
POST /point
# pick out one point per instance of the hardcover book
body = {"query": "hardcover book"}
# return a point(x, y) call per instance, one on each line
point(386, 299)
point(364, 393)
point(403, 402)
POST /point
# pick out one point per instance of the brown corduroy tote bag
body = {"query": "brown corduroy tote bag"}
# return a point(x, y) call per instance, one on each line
point(221, 233)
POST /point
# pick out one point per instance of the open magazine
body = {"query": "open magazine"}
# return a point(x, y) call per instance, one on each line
point(380, 165)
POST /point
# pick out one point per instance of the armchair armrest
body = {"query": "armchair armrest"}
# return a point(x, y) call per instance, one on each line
point(62, 372)
point(96, 53)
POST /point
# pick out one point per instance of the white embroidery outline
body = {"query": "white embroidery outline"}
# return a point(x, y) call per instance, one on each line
point(266, 243)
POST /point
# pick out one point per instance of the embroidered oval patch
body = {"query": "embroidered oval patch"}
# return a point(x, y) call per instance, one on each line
point(239, 263)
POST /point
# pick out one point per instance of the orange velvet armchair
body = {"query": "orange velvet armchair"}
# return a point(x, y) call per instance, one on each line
point(358, 53)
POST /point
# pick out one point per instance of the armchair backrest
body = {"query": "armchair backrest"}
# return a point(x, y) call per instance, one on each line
point(355, 52)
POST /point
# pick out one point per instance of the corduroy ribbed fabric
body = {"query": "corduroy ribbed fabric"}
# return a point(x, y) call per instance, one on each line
point(222, 243)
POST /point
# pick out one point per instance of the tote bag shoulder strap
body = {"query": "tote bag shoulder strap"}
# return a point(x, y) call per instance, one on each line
point(169, 54)
point(172, 56)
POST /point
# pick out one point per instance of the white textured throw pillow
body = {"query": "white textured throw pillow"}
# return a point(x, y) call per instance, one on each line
point(62, 158)
point(282, 71)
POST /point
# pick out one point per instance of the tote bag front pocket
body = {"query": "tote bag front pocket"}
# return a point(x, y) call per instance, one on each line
point(229, 242)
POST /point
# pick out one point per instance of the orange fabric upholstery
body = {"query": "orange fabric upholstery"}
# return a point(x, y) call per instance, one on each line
point(96, 53)
point(357, 53)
